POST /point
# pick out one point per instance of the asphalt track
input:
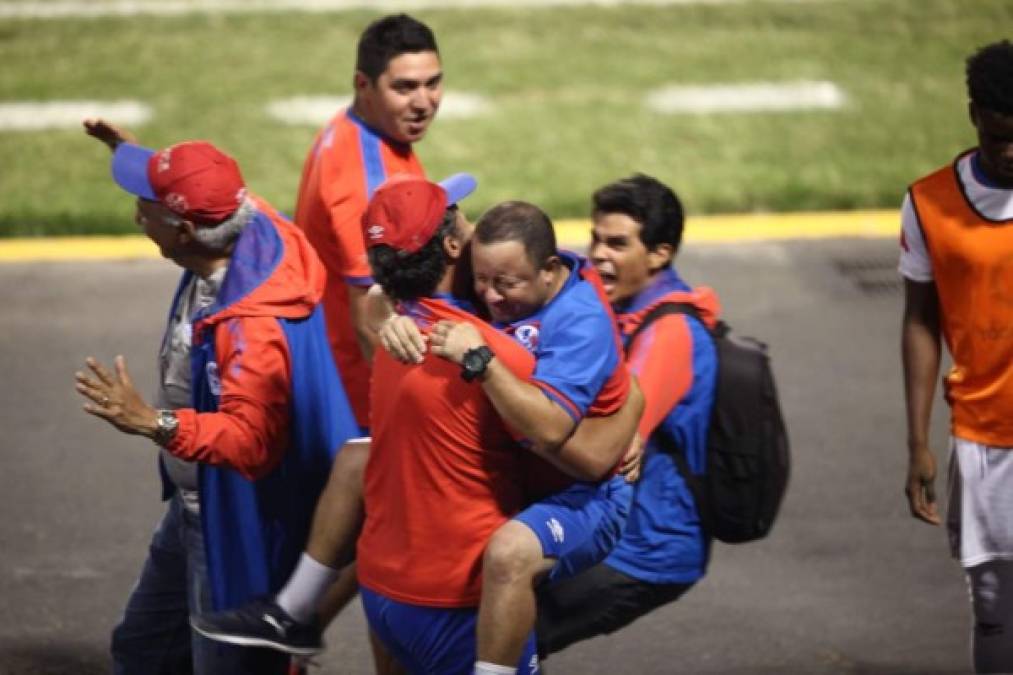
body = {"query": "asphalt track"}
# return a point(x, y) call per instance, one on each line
point(847, 583)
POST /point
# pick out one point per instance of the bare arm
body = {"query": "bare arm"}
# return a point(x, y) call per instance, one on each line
point(526, 408)
point(358, 306)
point(598, 443)
point(921, 351)
point(522, 405)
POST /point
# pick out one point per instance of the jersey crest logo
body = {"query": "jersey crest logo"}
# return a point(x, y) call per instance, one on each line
point(527, 335)
point(375, 232)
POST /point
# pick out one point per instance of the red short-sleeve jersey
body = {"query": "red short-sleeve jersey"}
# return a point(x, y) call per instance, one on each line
point(347, 162)
point(443, 473)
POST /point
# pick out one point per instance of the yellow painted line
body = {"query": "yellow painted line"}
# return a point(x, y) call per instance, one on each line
point(76, 248)
point(718, 229)
point(731, 229)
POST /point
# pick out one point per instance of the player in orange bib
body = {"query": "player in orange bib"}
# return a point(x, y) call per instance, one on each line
point(957, 262)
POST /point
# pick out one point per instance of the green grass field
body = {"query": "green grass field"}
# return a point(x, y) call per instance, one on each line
point(566, 85)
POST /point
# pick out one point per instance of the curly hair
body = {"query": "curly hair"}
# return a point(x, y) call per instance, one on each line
point(990, 77)
point(407, 276)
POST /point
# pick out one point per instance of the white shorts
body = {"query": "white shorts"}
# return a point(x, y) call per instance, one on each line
point(979, 518)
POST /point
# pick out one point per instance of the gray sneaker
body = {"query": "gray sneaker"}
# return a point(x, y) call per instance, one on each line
point(261, 623)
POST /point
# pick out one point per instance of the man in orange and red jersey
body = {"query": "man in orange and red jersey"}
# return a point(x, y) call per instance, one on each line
point(398, 85)
point(957, 262)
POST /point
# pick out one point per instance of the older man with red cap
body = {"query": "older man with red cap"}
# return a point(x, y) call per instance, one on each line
point(249, 410)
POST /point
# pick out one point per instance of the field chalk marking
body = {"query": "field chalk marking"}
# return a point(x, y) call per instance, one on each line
point(747, 97)
point(317, 110)
point(40, 115)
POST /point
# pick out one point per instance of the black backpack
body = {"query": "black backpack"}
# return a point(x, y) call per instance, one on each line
point(747, 465)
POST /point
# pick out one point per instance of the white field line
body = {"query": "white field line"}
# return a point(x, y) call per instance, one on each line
point(747, 97)
point(58, 9)
point(38, 115)
point(316, 110)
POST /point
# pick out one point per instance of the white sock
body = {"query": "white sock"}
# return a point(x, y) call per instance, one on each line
point(486, 668)
point(304, 589)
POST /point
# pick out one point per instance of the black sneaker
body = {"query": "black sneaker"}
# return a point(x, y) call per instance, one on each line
point(260, 623)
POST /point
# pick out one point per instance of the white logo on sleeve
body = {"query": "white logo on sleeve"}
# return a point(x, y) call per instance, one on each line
point(214, 381)
point(375, 231)
point(556, 529)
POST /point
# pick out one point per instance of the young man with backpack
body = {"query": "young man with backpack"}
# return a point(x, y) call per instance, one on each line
point(637, 228)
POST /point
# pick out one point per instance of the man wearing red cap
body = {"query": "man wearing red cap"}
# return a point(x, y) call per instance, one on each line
point(249, 410)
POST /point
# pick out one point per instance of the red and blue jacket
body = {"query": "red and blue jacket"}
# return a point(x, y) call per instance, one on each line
point(676, 366)
point(269, 411)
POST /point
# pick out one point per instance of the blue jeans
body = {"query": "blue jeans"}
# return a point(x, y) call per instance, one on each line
point(154, 636)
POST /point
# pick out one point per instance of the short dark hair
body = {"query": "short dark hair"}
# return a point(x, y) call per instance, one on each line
point(389, 37)
point(407, 276)
point(990, 77)
point(649, 202)
point(523, 222)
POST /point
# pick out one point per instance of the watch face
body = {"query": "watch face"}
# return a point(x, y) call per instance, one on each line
point(473, 360)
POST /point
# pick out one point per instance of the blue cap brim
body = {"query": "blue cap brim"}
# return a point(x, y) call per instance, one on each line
point(130, 170)
point(458, 186)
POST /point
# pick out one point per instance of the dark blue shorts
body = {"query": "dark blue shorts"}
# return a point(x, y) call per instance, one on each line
point(432, 640)
point(580, 525)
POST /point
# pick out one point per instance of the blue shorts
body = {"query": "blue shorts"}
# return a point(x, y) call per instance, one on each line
point(432, 640)
point(580, 525)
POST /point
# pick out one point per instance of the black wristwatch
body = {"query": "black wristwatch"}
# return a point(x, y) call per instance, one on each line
point(475, 362)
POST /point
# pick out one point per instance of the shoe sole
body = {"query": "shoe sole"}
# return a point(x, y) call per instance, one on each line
point(246, 641)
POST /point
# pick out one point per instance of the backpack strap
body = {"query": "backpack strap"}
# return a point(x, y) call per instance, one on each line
point(663, 309)
point(720, 329)
point(693, 481)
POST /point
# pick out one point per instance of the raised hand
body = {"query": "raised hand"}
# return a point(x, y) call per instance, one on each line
point(113, 397)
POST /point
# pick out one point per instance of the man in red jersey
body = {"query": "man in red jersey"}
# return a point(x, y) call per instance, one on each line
point(398, 86)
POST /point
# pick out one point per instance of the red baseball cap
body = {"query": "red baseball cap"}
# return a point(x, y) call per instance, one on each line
point(405, 212)
point(193, 179)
